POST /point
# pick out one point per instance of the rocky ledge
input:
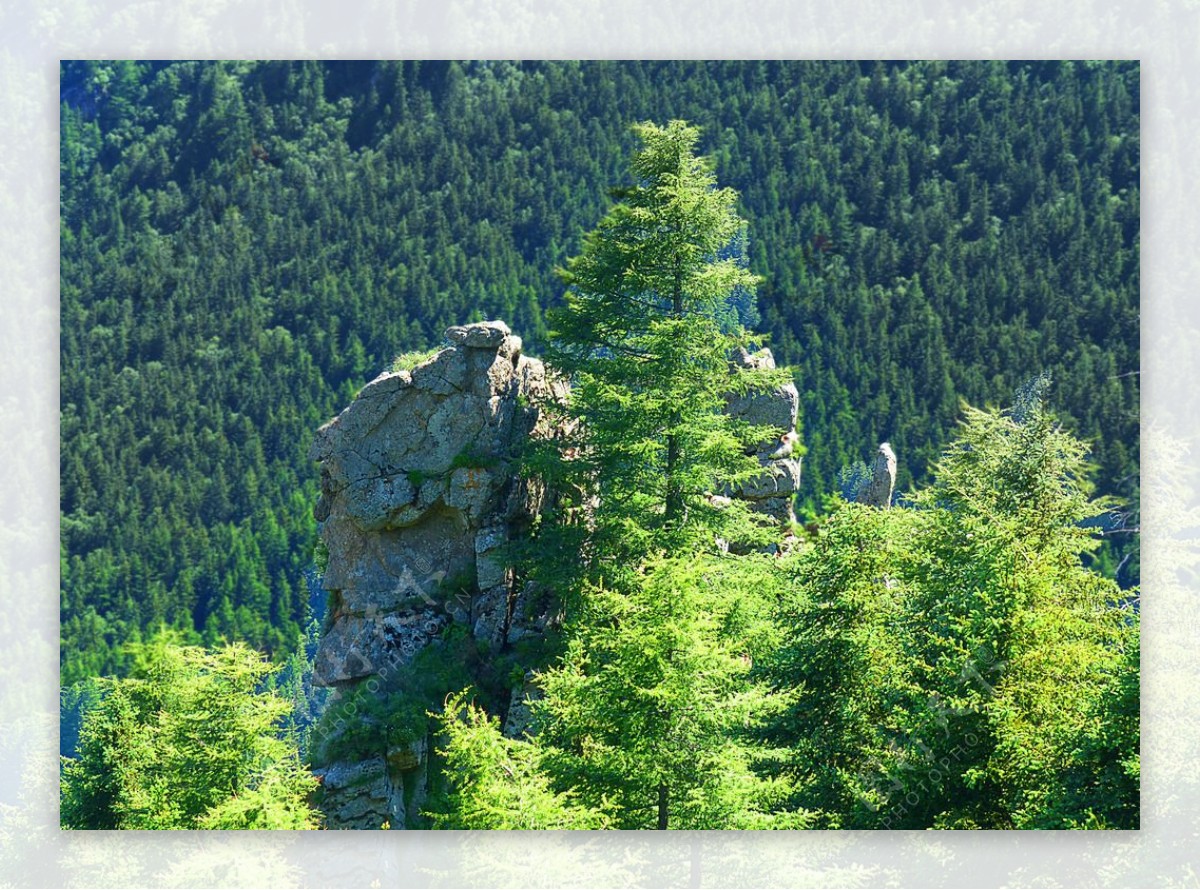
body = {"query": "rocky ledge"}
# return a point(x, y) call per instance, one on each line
point(419, 494)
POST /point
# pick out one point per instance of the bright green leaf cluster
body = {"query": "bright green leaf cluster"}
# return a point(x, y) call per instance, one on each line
point(188, 741)
point(957, 666)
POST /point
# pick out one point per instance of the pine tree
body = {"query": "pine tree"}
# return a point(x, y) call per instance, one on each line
point(646, 715)
point(642, 341)
point(187, 741)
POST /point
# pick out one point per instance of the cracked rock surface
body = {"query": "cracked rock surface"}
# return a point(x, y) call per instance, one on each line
point(419, 492)
point(419, 496)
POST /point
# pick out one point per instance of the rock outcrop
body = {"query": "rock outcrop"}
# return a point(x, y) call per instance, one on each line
point(878, 490)
point(419, 496)
point(772, 492)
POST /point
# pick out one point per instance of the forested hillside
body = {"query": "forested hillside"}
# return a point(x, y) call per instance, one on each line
point(244, 245)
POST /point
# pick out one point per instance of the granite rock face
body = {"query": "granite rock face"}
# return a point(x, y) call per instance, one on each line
point(772, 492)
point(419, 493)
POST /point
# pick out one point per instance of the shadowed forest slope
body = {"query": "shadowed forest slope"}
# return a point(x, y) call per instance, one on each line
point(245, 244)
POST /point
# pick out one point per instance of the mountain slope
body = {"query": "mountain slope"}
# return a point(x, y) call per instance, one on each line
point(245, 244)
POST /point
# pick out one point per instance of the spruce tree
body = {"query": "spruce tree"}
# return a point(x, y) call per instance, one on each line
point(957, 664)
point(648, 716)
point(496, 783)
point(187, 741)
point(645, 715)
point(646, 339)
point(1024, 648)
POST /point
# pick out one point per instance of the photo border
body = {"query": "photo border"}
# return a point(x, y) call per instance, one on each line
point(34, 852)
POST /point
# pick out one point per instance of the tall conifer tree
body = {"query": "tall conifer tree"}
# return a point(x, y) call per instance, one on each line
point(642, 339)
point(645, 716)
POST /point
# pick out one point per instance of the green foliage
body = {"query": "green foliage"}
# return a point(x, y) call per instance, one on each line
point(645, 716)
point(293, 683)
point(646, 721)
point(372, 718)
point(365, 723)
point(497, 783)
point(1100, 787)
point(1020, 640)
point(187, 741)
point(75, 701)
point(956, 664)
point(472, 457)
point(842, 653)
point(909, 675)
point(648, 715)
point(245, 244)
point(648, 360)
point(406, 361)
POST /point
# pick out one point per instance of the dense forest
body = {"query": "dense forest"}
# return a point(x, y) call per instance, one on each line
point(953, 660)
point(244, 245)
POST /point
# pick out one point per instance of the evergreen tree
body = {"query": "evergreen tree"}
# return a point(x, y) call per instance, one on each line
point(645, 717)
point(188, 740)
point(641, 339)
point(649, 715)
point(244, 244)
point(1020, 646)
point(844, 654)
point(497, 783)
point(955, 664)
